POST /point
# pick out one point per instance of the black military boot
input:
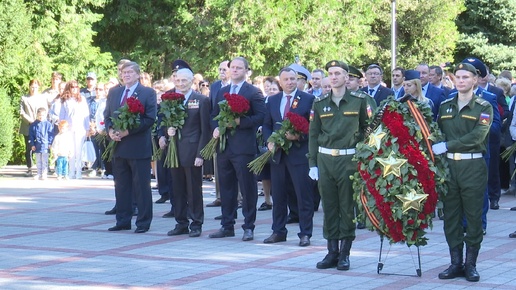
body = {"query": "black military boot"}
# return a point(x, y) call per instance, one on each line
point(470, 266)
point(331, 259)
point(456, 268)
point(345, 247)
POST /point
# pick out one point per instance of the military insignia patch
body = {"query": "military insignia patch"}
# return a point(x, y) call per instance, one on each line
point(484, 119)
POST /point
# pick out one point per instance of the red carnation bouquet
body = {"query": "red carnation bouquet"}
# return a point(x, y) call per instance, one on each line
point(173, 111)
point(234, 106)
point(294, 124)
point(127, 118)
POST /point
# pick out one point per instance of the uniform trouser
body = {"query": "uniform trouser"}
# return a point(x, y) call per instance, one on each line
point(298, 173)
point(465, 197)
point(187, 192)
point(336, 191)
point(232, 175)
point(494, 185)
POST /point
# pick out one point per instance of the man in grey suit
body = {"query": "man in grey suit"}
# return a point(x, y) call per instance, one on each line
point(187, 178)
point(132, 156)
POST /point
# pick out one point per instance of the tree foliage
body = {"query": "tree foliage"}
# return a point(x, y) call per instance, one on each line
point(488, 31)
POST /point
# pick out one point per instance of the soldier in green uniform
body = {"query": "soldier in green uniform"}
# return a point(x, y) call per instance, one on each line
point(338, 121)
point(465, 120)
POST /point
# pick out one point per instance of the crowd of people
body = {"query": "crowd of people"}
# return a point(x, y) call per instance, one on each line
point(472, 107)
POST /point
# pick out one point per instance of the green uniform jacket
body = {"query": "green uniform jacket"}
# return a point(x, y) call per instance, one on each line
point(466, 131)
point(337, 127)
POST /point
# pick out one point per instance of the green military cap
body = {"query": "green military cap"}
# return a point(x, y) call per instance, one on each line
point(467, 67)
point(337, 63)
point(354, 72)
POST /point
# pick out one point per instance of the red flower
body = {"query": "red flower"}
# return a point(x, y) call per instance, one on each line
point(299, 122)
point(421, 216)
point(135, 106)
point(101, 122)
point(237, 103)
point(173, 96)
point(410, 222)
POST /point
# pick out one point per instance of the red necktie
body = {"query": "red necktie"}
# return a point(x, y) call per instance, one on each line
point(124, 99)
point(287, 107)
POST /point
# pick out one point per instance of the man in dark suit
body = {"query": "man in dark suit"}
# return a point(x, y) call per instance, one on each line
point(241, 148)
point(397, 78)
point(187, 178)
point(294, 163)
point(214, 89)
point(132, 156)
point(493, 184)
point(374, 75)
point(435, 76)
point(430, 91)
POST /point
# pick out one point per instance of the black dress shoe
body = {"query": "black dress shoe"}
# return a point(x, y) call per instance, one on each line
point(291, 220)
point(360, 226)
point(178, 230)
point(265, 206)
point(169, 214)
point(195, 233)
point(141, 230)
point(162, 199)
point(512, 235)
point(222, 233)
point(119, 228)
point(494, 205)
point(304, 241)
point(275, 238)
point(513, 208)
point(111, 211)
point(248, 235)
point(214, 203)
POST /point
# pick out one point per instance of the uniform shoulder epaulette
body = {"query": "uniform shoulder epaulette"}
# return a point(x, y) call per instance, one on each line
point(482, 102)
point(446, 101)
point(320, 98)
point(359, 94)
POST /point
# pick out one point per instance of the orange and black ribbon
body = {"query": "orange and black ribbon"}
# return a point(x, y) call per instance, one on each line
point(420, 120)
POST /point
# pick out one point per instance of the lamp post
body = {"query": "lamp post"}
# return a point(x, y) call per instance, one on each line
point(393, 34)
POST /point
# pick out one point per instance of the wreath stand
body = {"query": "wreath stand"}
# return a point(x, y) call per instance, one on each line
point(381, 263)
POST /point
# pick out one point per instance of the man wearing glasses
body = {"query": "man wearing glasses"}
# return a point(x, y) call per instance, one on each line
point(374, 88)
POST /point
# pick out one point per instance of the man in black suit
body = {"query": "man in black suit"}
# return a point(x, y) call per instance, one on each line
point(214, 89)
point(374, 75)
point(132, 156)
point(430, 91)
point(241, 148)
point(294, 163)
point(187, 178)
point(397, 78)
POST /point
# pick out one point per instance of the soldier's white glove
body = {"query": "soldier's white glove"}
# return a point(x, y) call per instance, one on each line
point(439, 148)
point(314, 173)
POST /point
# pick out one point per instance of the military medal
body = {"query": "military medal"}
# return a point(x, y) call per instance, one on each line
point(193, 104)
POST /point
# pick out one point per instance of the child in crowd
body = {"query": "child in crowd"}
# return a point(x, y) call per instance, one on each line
point(62, 148)
point(41, 135)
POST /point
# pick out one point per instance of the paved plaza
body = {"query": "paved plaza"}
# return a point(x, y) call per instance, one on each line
point(53, 235)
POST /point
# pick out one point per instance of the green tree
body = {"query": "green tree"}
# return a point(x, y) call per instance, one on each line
point(426, 32)
point(488, 31)
point(6, 128)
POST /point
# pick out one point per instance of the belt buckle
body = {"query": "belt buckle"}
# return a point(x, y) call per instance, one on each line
point(457, 156)
point(335, 152)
